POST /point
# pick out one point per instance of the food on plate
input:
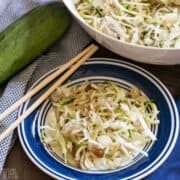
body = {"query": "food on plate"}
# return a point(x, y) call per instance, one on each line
point(154, 23)
point(177, 2)
point(99, 126)
point(30, 36)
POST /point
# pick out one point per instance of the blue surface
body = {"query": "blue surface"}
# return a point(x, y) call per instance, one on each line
point(30, 141)
point(170, 170)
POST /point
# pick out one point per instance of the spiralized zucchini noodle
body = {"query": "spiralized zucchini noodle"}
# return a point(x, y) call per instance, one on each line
point(99, 126)
point(140, 22)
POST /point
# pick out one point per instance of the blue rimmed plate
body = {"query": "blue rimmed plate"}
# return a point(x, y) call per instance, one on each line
point(124, 74)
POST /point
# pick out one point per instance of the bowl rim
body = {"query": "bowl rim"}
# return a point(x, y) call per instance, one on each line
point(77, 16)
point(157, 81)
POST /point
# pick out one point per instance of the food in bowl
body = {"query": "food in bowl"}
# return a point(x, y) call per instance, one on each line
point(99, 126)
point(139, 22)
point(177, 2)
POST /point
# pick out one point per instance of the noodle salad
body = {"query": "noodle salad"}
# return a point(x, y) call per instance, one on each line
point(154, 23)
point(99, 126)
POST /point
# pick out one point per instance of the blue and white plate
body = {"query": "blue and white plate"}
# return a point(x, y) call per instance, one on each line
point(125, 75)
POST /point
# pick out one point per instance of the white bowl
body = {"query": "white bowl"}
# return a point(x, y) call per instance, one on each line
point(150, 55)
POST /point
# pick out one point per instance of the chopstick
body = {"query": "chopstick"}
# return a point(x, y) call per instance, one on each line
point(69, 72)
point(44, 83)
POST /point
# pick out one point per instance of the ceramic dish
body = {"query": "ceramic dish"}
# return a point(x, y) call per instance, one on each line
point(150, 55)
point(124, 74)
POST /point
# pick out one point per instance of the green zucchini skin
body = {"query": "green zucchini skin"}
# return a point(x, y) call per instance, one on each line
point(30, 36)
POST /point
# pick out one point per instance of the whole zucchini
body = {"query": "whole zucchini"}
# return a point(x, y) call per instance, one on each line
point(30, 36)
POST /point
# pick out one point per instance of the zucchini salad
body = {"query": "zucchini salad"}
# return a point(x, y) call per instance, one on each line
point(99, 126)
point(154, 23)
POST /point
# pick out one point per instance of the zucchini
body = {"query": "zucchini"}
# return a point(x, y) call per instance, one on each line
point(30, 36)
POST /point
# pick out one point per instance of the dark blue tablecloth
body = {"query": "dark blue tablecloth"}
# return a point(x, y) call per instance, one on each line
point(170, 170)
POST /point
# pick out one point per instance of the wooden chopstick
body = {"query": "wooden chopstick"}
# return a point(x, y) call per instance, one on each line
point(44, 83)
point(48, 92)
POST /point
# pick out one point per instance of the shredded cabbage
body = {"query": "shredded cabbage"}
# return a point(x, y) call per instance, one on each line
point(99, 126)
point(154, 23)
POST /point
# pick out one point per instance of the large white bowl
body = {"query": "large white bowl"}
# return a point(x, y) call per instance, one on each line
point(163, 56)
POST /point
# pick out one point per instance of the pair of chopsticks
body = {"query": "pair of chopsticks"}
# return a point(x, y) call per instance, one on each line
point(73, 65)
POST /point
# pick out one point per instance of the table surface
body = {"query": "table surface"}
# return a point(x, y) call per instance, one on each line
point(19, 167)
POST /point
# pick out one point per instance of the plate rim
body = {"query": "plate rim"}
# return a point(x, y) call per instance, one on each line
point(133, 67)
